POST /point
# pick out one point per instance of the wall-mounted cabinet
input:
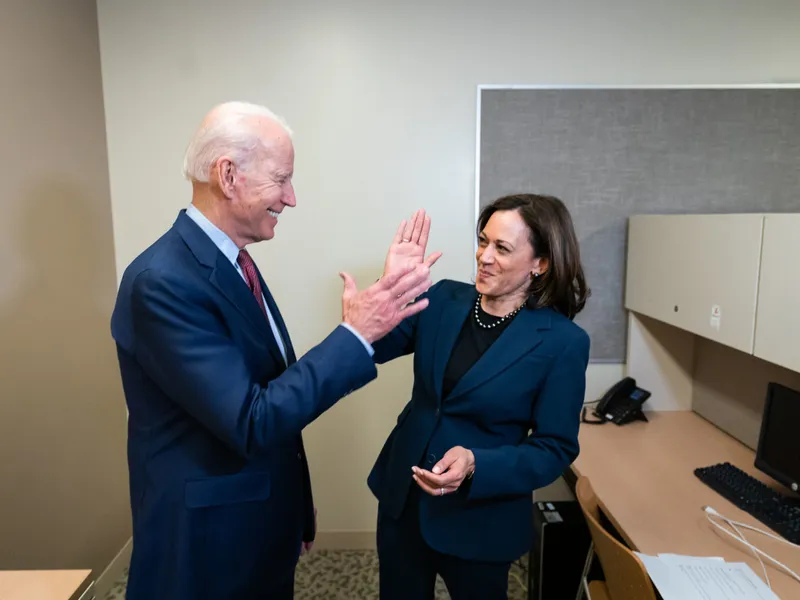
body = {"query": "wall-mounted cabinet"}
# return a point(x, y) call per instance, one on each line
point(697, 272)
point(777, 337)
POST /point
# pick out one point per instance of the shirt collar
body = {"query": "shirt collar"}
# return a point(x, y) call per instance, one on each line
point(219, 237)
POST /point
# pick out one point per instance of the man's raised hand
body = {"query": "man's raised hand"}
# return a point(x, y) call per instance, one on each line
point(378, 309)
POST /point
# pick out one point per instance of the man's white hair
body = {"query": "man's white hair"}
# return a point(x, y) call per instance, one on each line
point(227, 131)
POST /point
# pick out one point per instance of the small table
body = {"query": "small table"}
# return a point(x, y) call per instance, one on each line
point(43, 585)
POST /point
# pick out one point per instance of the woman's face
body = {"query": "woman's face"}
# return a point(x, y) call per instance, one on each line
point(505, 256)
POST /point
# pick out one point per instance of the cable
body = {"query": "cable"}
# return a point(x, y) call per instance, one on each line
point(585, 419)
point(744, 540)
point(710, 512)
point(752, 547)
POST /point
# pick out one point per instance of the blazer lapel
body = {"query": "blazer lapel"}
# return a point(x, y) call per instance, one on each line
point(233, 287)
point(276, 314)
point(521, 336)
point(224, 278)
point(453, 315)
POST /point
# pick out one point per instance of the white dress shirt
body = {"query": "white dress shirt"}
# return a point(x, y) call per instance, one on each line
point(231, 252)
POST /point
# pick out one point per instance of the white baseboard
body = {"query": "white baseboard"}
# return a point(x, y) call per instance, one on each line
point(114, 571)
point(345, 540)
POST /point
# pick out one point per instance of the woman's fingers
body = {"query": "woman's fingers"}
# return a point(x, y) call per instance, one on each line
point(408, 230)
point(451, 477)
point(434, 490)
point(426, 230)
point(431, 260)
point(419, 225)
point(398, 237)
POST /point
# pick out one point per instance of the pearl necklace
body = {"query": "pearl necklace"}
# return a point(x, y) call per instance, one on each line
point(496, 323)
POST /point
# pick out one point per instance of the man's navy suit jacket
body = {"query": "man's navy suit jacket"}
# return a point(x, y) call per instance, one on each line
point(518, 409)
point(219, 484)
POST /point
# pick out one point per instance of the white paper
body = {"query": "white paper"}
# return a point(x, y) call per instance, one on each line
point(704, 578)
point(680, 558)
point(671, 583)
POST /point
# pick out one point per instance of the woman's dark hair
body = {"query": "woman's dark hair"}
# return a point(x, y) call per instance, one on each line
point(552, 235)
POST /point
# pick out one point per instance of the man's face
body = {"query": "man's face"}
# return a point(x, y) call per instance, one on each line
point(261, 192)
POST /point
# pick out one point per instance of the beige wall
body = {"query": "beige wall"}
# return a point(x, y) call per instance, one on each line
point(382, 99)
point(730, 388)
point(63, 478)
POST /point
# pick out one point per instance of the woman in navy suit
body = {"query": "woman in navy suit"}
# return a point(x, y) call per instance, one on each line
point(499, 381)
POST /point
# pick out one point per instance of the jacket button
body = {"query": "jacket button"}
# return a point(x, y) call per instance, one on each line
point(437, 412)
point(299, 456)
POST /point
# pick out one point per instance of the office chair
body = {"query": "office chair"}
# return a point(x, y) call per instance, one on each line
point(626, 576)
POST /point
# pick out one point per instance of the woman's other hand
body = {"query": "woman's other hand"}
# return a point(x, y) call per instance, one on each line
point(448, 474)
point(409, 244)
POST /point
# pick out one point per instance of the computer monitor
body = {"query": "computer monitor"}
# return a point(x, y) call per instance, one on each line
point(778, 453)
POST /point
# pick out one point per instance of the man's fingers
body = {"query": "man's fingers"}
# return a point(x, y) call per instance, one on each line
point(389, 281)
point(349, 285)
point(415, 292)
point(409, 280)
point(413, 308)
point(431, 260)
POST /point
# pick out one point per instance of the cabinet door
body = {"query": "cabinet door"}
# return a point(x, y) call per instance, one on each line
point(653, 285)
point(778, 322)
point(697, 272)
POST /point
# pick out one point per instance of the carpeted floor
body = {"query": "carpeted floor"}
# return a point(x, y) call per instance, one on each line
point(349, 575)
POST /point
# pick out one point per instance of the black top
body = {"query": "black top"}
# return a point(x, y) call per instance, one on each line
point(470, 345)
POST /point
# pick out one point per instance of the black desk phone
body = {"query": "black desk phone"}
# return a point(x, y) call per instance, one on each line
point(621, 404)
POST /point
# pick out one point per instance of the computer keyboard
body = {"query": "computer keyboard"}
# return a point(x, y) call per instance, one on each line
point(779, 513)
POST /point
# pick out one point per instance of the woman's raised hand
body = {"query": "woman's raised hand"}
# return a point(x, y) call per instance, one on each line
point(409, 244)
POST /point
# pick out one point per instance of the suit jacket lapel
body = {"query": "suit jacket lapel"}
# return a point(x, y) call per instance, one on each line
point(223, 277)
point(521, 336)
point(276, 314)
point(453, 315)
point(233, 287)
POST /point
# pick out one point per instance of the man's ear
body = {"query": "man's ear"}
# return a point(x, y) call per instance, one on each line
point(226, 176)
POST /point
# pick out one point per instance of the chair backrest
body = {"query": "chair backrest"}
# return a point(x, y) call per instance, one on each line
point(626, 576)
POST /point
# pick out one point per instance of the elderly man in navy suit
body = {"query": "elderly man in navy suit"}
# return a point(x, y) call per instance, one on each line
point(219, 484)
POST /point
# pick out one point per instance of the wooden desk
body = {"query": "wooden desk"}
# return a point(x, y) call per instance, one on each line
point(43, 585)
point(643, 475)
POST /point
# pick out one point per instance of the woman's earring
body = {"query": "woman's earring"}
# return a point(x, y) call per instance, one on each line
point(534, 276)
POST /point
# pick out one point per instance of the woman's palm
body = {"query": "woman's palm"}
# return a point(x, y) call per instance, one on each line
point(408, 247)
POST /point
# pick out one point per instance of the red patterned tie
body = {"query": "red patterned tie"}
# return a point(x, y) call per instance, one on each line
point(251, 276)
